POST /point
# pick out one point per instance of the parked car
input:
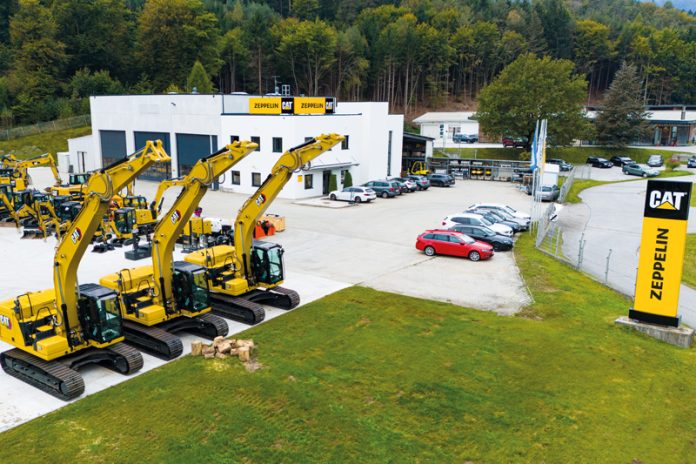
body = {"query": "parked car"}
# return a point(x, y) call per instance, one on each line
point(464, 138)
point(499, 206)
point(384, 188)
point(655, 161)
point(598, 162)
point(422, 182)
point(403, 188)
point(484, 234)
point(441, 180)
point(495, 218)
point(515, 142)
point(354, 194)
point(472, 219)
point(410, 185)
point(547, 192)
point(621, 160)
point(449, 242)
point(522, 223)
point(562, 164)
point(691, 163)
point(638, 170)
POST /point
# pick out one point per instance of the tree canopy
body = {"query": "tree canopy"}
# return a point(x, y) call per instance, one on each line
point(415, 54)
point(532, 89)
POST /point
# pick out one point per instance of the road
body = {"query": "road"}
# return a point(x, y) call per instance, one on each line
point(610, 218)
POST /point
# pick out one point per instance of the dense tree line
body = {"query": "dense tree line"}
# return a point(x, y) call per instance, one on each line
point(413, 53)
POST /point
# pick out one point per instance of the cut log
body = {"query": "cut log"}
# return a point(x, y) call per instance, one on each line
point(196, 348)
point(243, 353)
point(224, 347)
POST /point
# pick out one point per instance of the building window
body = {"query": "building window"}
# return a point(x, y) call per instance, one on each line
point(256, 179)
point(234, 138)
point(277, 144)
point(257, 141)
point(309, 181)
point(344, 144)
point(236, 178)
point(343, 176)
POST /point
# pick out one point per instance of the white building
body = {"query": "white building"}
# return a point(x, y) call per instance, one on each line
point(443, 125)
point(193, 126)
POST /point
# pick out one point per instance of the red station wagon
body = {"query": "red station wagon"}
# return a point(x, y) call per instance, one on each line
point(449, 242)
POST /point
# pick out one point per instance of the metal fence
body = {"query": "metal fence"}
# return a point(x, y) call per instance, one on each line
point(38, 128)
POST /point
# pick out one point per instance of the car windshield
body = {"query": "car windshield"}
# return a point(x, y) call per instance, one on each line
point(486, 221)
point(465, 238)
point(509, 209)
point(486, 232)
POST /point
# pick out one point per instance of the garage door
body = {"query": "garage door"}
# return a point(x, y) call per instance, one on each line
point(158, 171)
point(113, 146)
point(192, 147)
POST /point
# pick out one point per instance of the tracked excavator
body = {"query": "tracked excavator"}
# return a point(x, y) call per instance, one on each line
point(59, 330)
point(167, 297)
point(243, 276)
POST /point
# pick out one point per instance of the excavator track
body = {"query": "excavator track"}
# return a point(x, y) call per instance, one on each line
point(278, 297)
point(289, 299)
point(237, 308)
point(127, 360)
point(213, 326)
point(153, 340)
point(51, 377)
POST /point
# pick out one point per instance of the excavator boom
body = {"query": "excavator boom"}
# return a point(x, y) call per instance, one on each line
point(250, 212)
point(170, 226)
point(100, 188)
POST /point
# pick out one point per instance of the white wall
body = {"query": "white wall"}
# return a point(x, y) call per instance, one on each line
point(73, 158)
point(366, 124)
point(432, 129)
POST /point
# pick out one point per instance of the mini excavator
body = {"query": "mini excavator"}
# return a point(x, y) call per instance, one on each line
point(59, 330)
point(17, 170)
point(243, 276)
point(168, 297)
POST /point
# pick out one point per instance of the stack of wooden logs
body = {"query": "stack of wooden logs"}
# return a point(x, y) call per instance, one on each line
point(222, 347)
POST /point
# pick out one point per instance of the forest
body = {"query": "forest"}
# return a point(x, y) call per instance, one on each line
point(416, 54)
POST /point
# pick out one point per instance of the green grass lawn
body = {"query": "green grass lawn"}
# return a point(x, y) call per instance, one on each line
point(365, 376)
point(693, 195)
point(576, 155)
point(48, 142)
point(581, 184)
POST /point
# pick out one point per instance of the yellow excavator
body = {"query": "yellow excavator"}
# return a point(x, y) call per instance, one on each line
point(59, 330)
point(243, 276)
point(168, 297)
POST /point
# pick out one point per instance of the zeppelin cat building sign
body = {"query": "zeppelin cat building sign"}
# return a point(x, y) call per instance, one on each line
point(662, 246)
point(292, 105)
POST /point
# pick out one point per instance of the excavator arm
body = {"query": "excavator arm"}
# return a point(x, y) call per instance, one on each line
point(46, 159)
point(170, 226)
point(100, 189)
point(249, 214)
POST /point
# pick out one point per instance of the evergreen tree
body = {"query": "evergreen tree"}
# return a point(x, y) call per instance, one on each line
point(199, 79)
point(622, 118)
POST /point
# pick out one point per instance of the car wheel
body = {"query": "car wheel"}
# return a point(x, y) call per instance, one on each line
point(385, 195)
point(429, 251)
point(332, 197)
point(474, 255)
point(644, 175)
point(497, 247)
point(357, 200)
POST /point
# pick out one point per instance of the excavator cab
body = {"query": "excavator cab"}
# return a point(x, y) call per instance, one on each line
point(79, 178)
point(190, 287)
point(124, 219)
point(267, 262)
point(23, 197)
point(135, 201)
point(99, 313)
point(68, 210)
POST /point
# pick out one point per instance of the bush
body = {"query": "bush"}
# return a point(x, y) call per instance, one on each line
point(672, 164)
point(333, 183)
point(347, 180)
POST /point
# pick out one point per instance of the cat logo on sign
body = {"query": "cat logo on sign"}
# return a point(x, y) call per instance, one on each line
point(662, 246)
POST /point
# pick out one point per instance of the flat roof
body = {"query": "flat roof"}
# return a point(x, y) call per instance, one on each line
point(446, 116)
point(417, 137)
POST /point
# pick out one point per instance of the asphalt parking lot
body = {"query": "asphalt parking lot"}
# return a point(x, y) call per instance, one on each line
point(327, 249)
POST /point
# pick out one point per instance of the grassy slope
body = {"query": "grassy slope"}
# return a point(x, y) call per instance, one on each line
point(51, 142)
point(576, 155)
point(689, 276)
point(581, 184)
point(365, 376)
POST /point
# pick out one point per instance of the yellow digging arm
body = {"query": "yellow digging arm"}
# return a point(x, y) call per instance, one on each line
point(43, 160)
point(250, 212)
point(100, 188)
point(169, 227)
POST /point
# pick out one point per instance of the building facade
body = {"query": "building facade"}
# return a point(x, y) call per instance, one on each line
point(193, 126)
point(442, 126)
